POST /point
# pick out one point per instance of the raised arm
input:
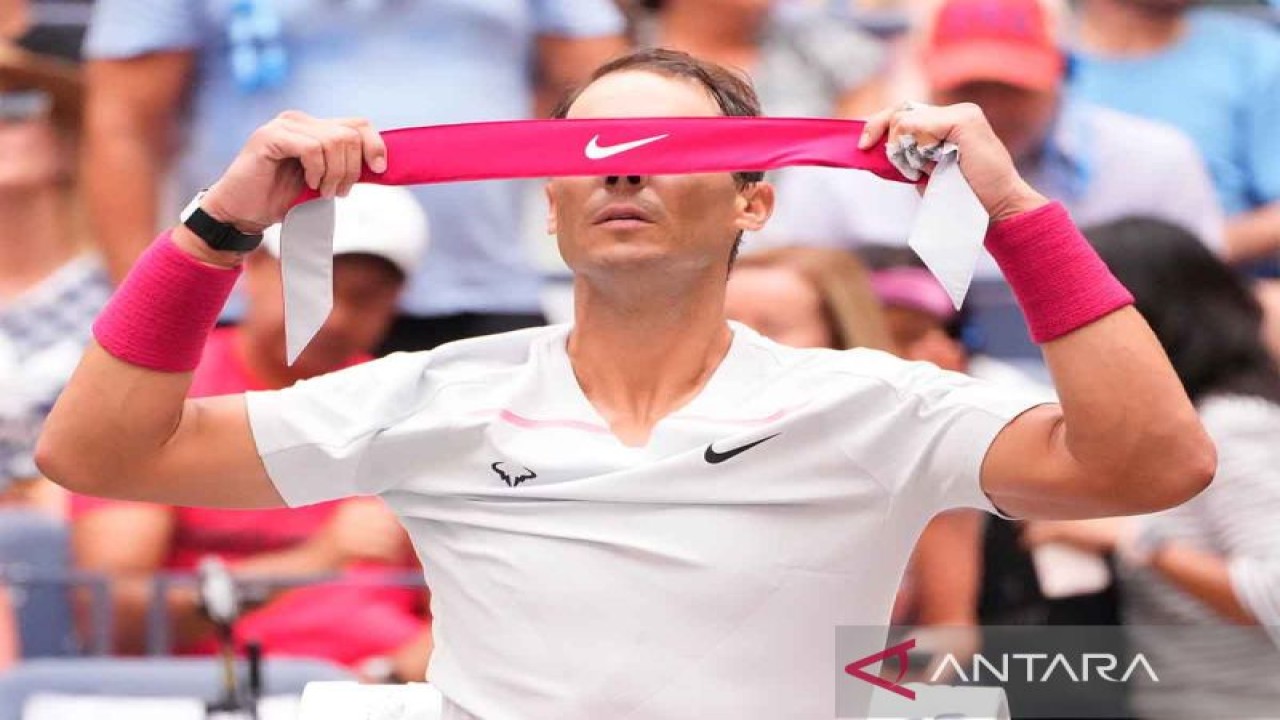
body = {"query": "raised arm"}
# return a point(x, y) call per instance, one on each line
point(123, 427)
point(131, 111)
point(1125, 438)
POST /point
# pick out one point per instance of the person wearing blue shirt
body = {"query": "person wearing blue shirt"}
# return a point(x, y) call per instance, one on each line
point(227, 66)
point(1004, 57)
point(1215, 76)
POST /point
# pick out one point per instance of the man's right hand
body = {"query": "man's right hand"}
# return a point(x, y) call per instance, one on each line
point(292, 152)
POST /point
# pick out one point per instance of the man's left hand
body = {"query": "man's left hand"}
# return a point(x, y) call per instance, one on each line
point(984, 161)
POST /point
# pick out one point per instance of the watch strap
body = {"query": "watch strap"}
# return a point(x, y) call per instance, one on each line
point(217, 234)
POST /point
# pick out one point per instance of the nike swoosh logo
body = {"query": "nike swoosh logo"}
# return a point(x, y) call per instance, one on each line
point(595, 151)
point(715, 458)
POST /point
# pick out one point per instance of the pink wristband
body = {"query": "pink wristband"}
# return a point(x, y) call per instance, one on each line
point(1059, 281)
point(161, 315)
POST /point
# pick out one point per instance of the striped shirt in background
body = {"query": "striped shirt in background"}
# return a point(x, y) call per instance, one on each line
point(1207, 666)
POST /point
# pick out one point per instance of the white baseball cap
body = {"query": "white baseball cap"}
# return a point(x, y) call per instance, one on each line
point(381, 220)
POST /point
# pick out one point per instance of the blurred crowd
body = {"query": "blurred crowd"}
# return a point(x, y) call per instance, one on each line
point(1153, 121)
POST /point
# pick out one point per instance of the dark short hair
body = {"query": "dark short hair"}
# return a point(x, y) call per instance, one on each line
point(732, 91)
point(1201, 310)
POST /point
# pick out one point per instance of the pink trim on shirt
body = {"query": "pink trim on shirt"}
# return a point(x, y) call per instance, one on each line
point(530, 423)
point(748, 422)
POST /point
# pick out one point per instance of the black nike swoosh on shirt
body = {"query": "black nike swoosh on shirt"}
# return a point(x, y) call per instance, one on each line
point(716, 458)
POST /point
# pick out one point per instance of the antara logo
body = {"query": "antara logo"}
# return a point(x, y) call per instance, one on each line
point(898, 651)
point(999, 668)
point(1057, 667)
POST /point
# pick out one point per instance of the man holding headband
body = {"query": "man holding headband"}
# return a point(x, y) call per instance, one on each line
point(650, 513)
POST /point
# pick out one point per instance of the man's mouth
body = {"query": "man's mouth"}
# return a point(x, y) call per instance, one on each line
point(622, 215)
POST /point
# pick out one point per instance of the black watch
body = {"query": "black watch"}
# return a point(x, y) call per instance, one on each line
point(215, 233)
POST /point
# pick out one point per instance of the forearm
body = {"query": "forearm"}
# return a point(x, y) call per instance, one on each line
point(129, 122)
point(411, 660)
point(1203, 575)
point(948, 565)
point(132, 596)
point(123, 427)
point(122, 173)
point(186, 618)
point(308, 559)
point(1126, 438)
point(1254, 234)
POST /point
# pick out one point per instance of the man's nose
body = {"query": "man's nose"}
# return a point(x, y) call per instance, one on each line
point(634, 181)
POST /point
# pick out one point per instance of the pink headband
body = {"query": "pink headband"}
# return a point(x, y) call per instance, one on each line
point(552, 148)
point(630, 146)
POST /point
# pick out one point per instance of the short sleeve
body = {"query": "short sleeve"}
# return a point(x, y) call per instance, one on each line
point(129, 28)
point(928, 447)
point(577, 18)
point(314, 436)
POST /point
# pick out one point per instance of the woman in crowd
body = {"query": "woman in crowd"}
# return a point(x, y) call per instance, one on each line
point(821, 297)
point(50, 288)
point(807, 297)
point(1211, 566)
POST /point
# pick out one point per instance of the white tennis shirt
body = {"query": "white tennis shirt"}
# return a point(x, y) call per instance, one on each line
point(699, 576)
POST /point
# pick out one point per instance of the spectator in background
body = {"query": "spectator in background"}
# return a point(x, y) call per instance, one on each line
point(924, 324)
point(405, 63)
point(820, 297)
point(380, 234)
point(14, 18)
point(1003, 56)
point(50, 287)
point(1214, 75)
point(1212, 565)
point(807, 297)
point(8, 632)
point(803, 61)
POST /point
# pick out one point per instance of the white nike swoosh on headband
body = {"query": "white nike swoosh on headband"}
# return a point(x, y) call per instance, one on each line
point(596, 152)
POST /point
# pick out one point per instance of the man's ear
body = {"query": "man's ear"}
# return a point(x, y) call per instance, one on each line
point(551, 208)
point(755, 206)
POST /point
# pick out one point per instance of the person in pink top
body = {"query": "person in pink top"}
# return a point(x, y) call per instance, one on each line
point(381, 631)
point(8, 632)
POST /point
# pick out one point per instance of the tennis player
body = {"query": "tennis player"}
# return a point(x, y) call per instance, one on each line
point(652, 513)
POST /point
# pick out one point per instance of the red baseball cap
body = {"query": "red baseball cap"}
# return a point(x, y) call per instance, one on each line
point(1006, 41)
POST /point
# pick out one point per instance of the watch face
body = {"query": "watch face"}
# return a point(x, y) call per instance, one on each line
point(192, 206)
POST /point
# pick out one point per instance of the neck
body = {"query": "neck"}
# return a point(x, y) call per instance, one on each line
point(1120, 27)
point(700, 29)
point(641, 351)
point(34, 238)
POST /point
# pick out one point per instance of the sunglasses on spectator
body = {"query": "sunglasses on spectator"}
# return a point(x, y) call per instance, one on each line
point(24, 105)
